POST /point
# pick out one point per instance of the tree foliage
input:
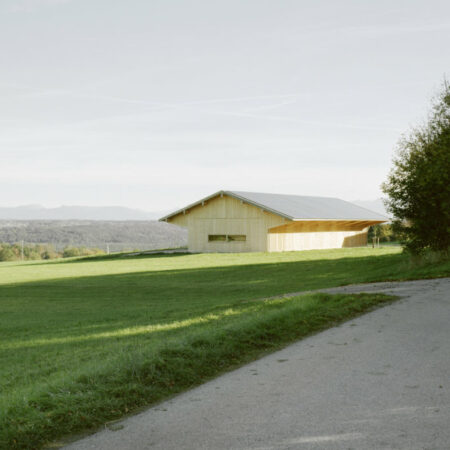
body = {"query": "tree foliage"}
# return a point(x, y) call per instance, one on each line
point(123, 235)
point(383, 232)
point(15, 252)
point(418, 186)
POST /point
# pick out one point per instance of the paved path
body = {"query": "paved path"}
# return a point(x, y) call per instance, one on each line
point(380, 381)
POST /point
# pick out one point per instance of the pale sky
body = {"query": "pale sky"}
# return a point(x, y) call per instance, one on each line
point(154, 104)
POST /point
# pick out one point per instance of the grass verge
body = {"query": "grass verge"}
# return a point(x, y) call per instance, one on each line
point(144, 374)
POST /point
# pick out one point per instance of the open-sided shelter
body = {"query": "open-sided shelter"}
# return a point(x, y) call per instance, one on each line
point(231, 221)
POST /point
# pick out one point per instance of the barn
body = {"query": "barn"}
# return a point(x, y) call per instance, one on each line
point(232, 221)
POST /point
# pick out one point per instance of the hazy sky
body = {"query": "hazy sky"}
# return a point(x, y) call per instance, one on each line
point(153, 104)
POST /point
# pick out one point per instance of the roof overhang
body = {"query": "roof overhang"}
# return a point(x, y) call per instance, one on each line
point(340, 220)
point(262, 207)
point(221, 194)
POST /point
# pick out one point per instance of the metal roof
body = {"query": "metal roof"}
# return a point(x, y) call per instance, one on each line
point(298, 207)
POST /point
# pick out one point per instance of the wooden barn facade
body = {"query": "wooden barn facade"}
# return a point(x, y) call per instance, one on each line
point(230, 221)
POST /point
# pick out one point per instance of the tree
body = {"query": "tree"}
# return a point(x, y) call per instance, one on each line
point(7, 253)
point(383, 232)
point(418, 186)
point(69, 252)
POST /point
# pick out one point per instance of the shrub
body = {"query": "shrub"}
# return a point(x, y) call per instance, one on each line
point(418, 186)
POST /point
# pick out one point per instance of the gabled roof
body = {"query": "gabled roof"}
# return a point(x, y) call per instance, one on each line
point(297, 207)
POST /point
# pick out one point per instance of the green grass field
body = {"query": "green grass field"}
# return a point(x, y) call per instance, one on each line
point(89, 340)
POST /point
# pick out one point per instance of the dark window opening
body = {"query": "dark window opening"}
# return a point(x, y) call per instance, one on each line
point(237, 237)
point(217, 237)
point(227, 237)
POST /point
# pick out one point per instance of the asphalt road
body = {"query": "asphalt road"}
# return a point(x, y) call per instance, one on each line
point(380, 381)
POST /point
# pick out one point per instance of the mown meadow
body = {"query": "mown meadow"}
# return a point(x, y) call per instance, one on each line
point(85, 341)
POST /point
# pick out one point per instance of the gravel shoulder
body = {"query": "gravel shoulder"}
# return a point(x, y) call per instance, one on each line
point(380, 381)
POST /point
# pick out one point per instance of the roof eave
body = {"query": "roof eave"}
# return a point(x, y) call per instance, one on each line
point(342, 220)
point(230, 194)
point(261, 206)
point(199, 202)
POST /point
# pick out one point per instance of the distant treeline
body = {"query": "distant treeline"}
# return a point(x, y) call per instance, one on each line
point(55, 239)
point(15, 252)
point(112, 235)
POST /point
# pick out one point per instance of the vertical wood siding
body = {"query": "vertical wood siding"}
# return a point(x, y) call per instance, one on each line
point(264, 231)
point(282, 242)
point(227, 215)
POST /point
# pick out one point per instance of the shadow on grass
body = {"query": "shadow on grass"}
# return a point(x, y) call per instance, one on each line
point(302, 275)
point(144, 376)
point(75, 307)
point(90, 305)
point(111, 257)
point(124, 333)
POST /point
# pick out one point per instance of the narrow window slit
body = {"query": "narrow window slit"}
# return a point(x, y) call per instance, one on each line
point(227, 237)
point(217, 237)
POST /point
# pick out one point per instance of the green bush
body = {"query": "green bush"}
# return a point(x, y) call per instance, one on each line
point(7, 253)
point(418, 186)
point(13, 252)
point(70, 252)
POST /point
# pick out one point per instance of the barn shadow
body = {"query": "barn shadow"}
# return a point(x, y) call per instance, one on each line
point(145, 297)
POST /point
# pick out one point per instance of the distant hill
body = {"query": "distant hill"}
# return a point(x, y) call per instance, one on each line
point(115, 235)
point(38, 212)
point(119, 213)
point(374, 205)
